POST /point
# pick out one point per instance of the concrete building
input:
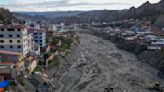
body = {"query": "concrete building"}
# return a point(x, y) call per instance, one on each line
point(14, 37)
point(8, 58)
point(51, 32)
point(8, 72)
point(35, 48)
point(39, 36)
point(31, 63)
point(61, 28)
point(52, 27)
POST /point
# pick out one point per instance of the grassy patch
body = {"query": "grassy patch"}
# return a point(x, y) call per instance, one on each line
point(48, 54)
point(54, 63)
point(38, 69)
point(66, 44)
point(55, 40)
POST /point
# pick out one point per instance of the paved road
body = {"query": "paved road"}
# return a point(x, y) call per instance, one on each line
point(97, 64)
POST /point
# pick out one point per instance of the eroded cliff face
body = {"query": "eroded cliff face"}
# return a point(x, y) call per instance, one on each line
point(154, 58)
point(97, 64)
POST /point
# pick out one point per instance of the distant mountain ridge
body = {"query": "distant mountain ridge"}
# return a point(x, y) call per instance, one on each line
point(51, 13)
point(146, 10)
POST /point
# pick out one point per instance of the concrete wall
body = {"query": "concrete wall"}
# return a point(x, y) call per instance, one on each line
point(32, 66)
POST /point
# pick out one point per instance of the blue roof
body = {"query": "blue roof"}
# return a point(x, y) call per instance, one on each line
point(4, 84)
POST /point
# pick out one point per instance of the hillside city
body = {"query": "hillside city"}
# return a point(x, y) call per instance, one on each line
point(83, 51)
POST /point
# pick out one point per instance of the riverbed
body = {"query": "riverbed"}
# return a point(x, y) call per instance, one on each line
point(96, 64)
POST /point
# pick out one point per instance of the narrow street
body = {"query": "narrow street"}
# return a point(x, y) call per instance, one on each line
point(96, 64)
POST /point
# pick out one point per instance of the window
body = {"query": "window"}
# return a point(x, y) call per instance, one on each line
point(24, 40)
point(18, 29)
point(36, 40)
point(19, 46)
point(2, 46)
point(18, 35)
point(40, 33)
point(18, 41)
point(2, 41)
point(40, 44)
point(1, 35)
point(34, 33)
point(10, 41)
point(11, 47)
point(2, 29)
point(40, 40)
point(10, 29)
point(10, 35)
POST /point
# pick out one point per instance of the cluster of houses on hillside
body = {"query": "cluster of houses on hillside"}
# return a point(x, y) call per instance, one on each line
point(141, 33)
point(22, 45)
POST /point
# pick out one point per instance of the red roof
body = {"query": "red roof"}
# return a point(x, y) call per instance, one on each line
point(21, 26)
point(31, 30)
point(7, 63)
point(9, 52)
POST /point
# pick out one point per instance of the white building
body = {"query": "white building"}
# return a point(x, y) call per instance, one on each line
point(52, 27)
point(35, 48)
point(156, 44)
point(39, 36)
point(14, 37)
point(159, 42)
point(61, 28)
point(150, 38)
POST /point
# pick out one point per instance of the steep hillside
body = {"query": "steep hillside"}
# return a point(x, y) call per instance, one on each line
point(30, 17)
point(146, 10)
point(160, 21)
point(6, 16)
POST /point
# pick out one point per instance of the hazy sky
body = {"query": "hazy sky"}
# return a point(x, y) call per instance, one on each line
point(63, 5)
